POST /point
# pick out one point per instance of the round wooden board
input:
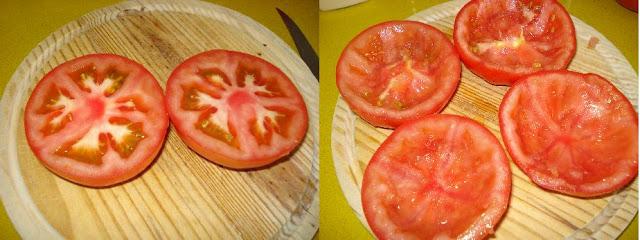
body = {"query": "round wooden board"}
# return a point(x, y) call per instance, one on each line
point(181, 195)
point(533, 213)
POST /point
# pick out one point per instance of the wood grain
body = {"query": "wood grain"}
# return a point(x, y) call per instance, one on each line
point(181, 195)
point(533, 212)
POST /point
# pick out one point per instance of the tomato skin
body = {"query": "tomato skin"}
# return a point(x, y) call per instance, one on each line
point(543, 180)
point(389, 117)
point(219, 153)
point(481, 225)
point(496, 74)
point(629, 4)
point(112, 176)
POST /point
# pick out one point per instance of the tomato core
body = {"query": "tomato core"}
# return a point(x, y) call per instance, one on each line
point(239, 98)
point(96, 105)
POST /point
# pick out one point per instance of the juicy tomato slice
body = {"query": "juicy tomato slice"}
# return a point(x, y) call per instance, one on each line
point(397, 71)
point(96, 120)
point(236, 109)
point(502, 40)
point(439, 177)
point(570, 132)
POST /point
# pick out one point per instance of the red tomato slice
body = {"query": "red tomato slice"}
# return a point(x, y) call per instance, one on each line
point(96, 120)
point(235, 109)
point(397, 71)
point(502, 40)
point(570, 132)
point(439, 177)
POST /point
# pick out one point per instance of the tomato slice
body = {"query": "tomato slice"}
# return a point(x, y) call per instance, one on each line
point(570, 132)
point(439, 177)
point(396, 71)
point(96, 120)
point(502, 40)
point(236, 109)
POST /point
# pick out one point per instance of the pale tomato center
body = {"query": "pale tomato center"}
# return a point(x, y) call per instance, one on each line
point(400, 80)
point(96, 106)
point(239, 98)
point(397, 85)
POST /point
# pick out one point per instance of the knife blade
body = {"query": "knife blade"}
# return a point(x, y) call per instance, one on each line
point(305, 50)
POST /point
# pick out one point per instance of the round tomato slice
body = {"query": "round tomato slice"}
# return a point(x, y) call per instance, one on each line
point(570, 132)
point(439, 177)
point(96, 120)
point(502, 40)
point(398, 71)
point(236, 109)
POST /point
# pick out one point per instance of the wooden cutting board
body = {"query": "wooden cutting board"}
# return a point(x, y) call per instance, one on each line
point(533, 213)
point(181, 195)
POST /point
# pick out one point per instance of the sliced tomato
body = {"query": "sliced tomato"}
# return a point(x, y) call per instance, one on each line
point(439, 177)
point(570, 132)
point(502, 40)
point(236, 109)
point(397, 71)
point(96, 120)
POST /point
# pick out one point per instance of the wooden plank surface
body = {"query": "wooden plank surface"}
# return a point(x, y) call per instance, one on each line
point(533, 212)
point(181, 195)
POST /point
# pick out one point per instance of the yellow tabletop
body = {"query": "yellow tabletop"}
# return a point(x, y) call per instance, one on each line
point(25, 23)
point(337, 27)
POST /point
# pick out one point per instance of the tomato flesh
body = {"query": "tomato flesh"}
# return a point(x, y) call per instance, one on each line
point(442, 176)
point(397, 71)
point(235, 109)
point(87, 119)
point(502, 40)
point(571, 133)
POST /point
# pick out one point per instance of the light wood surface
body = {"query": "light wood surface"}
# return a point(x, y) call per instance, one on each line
point(181, 195)
point(533, 212)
